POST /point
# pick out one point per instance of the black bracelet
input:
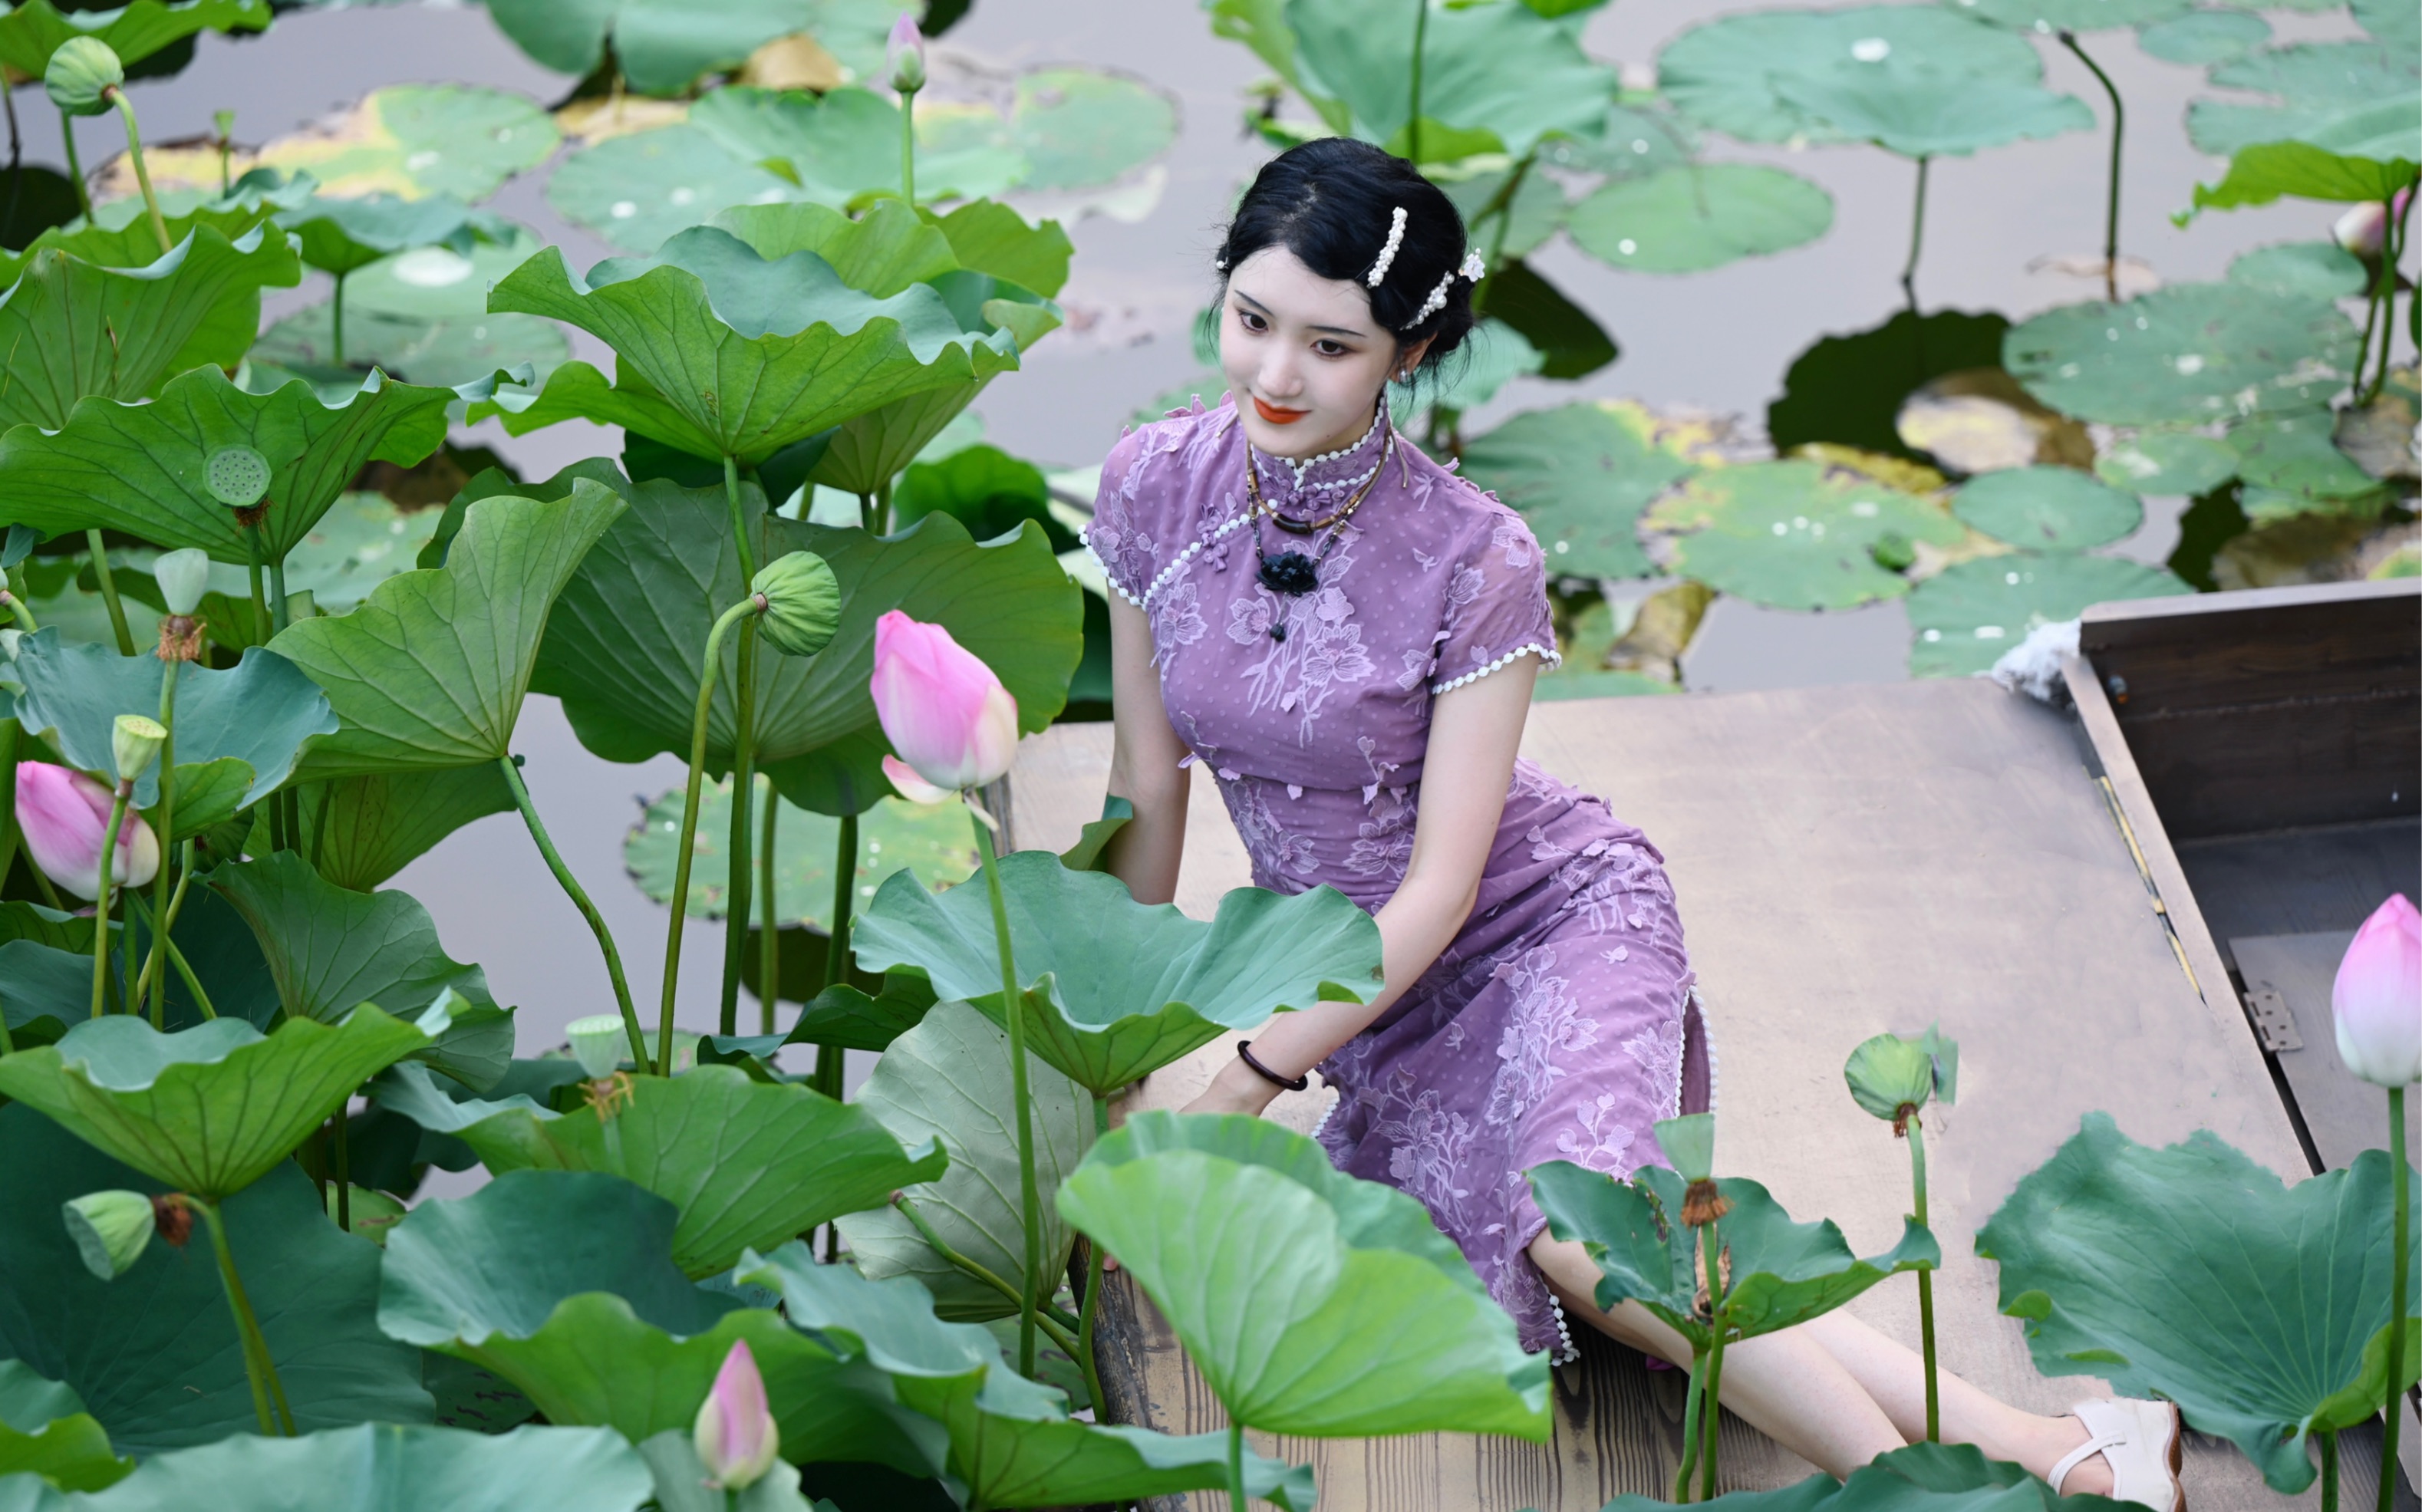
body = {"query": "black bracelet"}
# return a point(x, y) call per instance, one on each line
point(1245, 1053)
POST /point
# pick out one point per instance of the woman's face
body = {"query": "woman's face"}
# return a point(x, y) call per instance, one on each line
point(1303, 355)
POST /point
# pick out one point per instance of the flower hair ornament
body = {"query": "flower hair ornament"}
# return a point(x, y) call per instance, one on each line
point(1388, 254)
point(1471, 271)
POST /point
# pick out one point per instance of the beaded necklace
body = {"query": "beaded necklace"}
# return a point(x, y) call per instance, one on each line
point(1292, 572)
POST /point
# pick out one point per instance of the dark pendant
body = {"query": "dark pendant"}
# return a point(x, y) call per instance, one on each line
point(1290, 572)
point(1278, 630)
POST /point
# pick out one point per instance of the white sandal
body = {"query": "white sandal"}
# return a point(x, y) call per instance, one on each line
point(2140, 1442)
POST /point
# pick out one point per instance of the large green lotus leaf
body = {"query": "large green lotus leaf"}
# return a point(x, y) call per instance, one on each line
point(867, 451)
point(1795, 535)
point(1501, 69)
point(454, 352)
point(431, 670)
point(142, 468)
point(2318, 85)
point(562, 1282)
point(260, 711)
point(50, 989)
point(207, 1109)
point(1783, 1272)
point(1964, 618)
point(1012, 1441)
point(1536, 210)
point(360, 542)
point(378, 825)
point(663, 46)
point(2184, 354)
point(1701, 216)
point(415, 141)
point(2123, 1258)
point(437, 282)
point(990, 238)
point(2200, 37)
point(931, 840)
point(639, 188)
point(1581, 475)
point(34, 30)
point(844, 143)
point(948, 1079)
point(2298, 453)
point(155, 1355)
point(2175, 463)
point(748, 1164)
point(2391, 21)
point(2368, 155)
point(45, 1430)
point(1304, 1315)
point(1113, 989)
point(1921, 1477)
point(1262, 25)
point(1067, 128)
point(2308, 270)
point(630, 685)
point(106, 314)
point(1723, 73)
point(339, 235)
point(2045, 16)
point(2048, 509)
point(388, 1467)
point(1924, 113)
point(708, 317)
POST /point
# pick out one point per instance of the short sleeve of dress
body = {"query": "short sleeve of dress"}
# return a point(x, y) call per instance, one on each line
point(1497, 606)
point(1120, 536)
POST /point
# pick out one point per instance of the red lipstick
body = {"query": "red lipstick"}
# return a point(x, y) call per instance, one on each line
point(1276, 416)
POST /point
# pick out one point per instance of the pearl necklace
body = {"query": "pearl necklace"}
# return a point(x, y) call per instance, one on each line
point(1291, 571)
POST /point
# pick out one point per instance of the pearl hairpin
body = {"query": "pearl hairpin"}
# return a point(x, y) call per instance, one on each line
point(1388, 253)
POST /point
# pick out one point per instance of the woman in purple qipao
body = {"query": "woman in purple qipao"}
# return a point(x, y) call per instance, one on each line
point(1346, 634)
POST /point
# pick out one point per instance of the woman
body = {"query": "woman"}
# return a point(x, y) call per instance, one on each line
point(1348, 634)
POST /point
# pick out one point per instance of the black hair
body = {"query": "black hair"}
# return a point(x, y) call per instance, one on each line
point(1332, 202)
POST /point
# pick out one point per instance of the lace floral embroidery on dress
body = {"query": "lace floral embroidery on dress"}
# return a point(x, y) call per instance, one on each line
point(1386, 839)
point(1177, 618)
point(1322, 650)
point(1428, 1146)
point(1274, 848)
point(1659, 1050)
point(1545, 1026)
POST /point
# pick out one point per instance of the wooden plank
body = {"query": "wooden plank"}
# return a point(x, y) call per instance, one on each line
point(2344, 1113)
point(2299, 881)
point(1848, 860)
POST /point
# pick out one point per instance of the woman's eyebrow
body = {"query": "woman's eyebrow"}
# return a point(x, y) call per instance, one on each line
point(1263, 311)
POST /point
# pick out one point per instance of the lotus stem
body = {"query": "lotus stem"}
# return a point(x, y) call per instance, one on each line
point(2330, 1471)
point(909, 146)
point(1711, 1403)
point(336, 323)
point(16, 190)
point(571, 888)
point(1413, 104)
point(168, 832)
point(1012, 1013)
point(257, 1365)
point(341, 1160)
point(865, 512)
point(152, 967)
point(689, 847)
point(883, 508)
point(281, 613)
point(260, 597)
point(2392, 252)
point(109, 593)
point(2400, 1259)
point(1925, 1287)
point(1087, 1314)
point(142, 174)
point(744, 769)
point(10, 837)
point(1694, 1419)
point(1235, 1465)
point(769, 943)
point(1916, 240)
point(75, 169)
point(1050, 1320)
point(832, 1060)
point(2118, 130)
point(101, 904)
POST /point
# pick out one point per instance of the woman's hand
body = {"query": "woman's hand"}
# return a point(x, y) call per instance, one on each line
point(1235, 1090)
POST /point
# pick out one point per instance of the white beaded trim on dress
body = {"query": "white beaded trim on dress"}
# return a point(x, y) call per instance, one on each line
point(1107, 575)
point(1546, 654)
point(1563, 1354)
point(1302, 466)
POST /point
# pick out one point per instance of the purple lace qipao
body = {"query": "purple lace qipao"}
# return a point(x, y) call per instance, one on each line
point(1555, 1024)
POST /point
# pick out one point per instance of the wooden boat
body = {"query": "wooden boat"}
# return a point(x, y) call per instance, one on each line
point(1861, 858)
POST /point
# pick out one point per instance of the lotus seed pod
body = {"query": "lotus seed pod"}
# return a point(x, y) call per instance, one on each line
point(134, 743)
point(802, 603)
point(237, 477)
point(182, 575)
point(81, 75)
point(1892, 1076)
point(111, 1230)
point(598, 1043)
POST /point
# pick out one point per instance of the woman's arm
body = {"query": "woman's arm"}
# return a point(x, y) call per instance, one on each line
point(1474, 733)
point(1144, 754)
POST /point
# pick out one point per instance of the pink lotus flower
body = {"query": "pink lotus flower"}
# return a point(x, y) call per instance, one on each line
point(63, 814)
point(2363, 227)
point(906, 54)
point(2376, 998)
point(945, 714)
point(735, 1435)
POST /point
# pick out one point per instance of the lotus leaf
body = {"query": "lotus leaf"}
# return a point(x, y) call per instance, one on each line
point(1689, 219)
point(143, 468)
point(663, 46)
point(948, 1079)
point(2319, 85)
point(2309, 270)
point(845, 143)
point(1581, 474)
point(1632, 142)
point(745, 1164)
point(360, 542)
point(1921, 1477)
point(33, 31)
point(638, 189)
point(2119, 1257)
point(2298, 453)
point(106, 314)
point(2167, 462)
point(990, 238)
point(817, 734)
point(2184, 354)
point(683, 1483)
point(1724, 72)
point(437, 282)
point(430, 672)
point(415, 141)
point(211, 1108)
point(1795, 535)
point(1967, 615)
point(1503, 73)
point(154, 1356)
point(1313, 1303)
point(257, 713)
point(340, 235)
point(2048, 509)
point(2205, 36)
point(561, 1284)
point(455, 352)
point(1924, 113)
point(2046, 16)
point(44, 1430)
point(2391, 21)
point(2364, 155)
point(1067, 128)
point(1012, 1441)
point(1783, 1272)
point(1570, 344)
point(1492, 355)
point(929, 840)
point(378, 825)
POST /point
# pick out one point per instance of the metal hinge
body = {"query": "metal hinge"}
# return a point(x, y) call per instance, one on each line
point(2274, 1024)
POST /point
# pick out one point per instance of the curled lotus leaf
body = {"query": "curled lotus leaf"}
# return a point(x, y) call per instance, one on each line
point(1964, 618)
point(377, 825)
point(339, 235)
point(30, 33)
point(2184, 355)
point(2364, 155)
point(44, 1430)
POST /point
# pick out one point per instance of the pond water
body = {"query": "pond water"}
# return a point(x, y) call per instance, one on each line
point(1720, 341)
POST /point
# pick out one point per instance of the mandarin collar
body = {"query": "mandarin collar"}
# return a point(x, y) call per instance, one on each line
point(1328, 479)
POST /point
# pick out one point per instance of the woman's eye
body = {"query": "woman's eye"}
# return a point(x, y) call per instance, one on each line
point(1328, 349)
point(1250, 322)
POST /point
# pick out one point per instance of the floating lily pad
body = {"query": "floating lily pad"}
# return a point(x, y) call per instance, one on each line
point(443, 353)
point(360, 542)
point(339, 235)
point(664, 46)
point(31, 32)
point(1503, 73)
point(839, 144)
point(1632, 142)
point(1795, 535)
point(2048, 16)
point(2301, 270)
point(1689, 219)
point(932, 842)
point(2184, 354)
point(1581, 475)
point(1071, 128)
point(2390, 21)
point(638, 189)
point(414, 140)
point(1924, 113)
point(948, 1079)
point(433, 283)
point(2201, 38)
point(1966, 616)
point(2298, 453)
point(2317, 85)
point(2170, 463)
point(2048, 509)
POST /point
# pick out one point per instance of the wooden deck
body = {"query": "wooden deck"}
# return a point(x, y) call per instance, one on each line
point(1848, 860)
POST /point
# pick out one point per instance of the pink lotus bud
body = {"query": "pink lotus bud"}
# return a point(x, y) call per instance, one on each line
point(2376, 998)
point(63, 814)
point(906, 54)
point(905, 781)
point(944, 711)
point(735, 1435)
point(2363, 227)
